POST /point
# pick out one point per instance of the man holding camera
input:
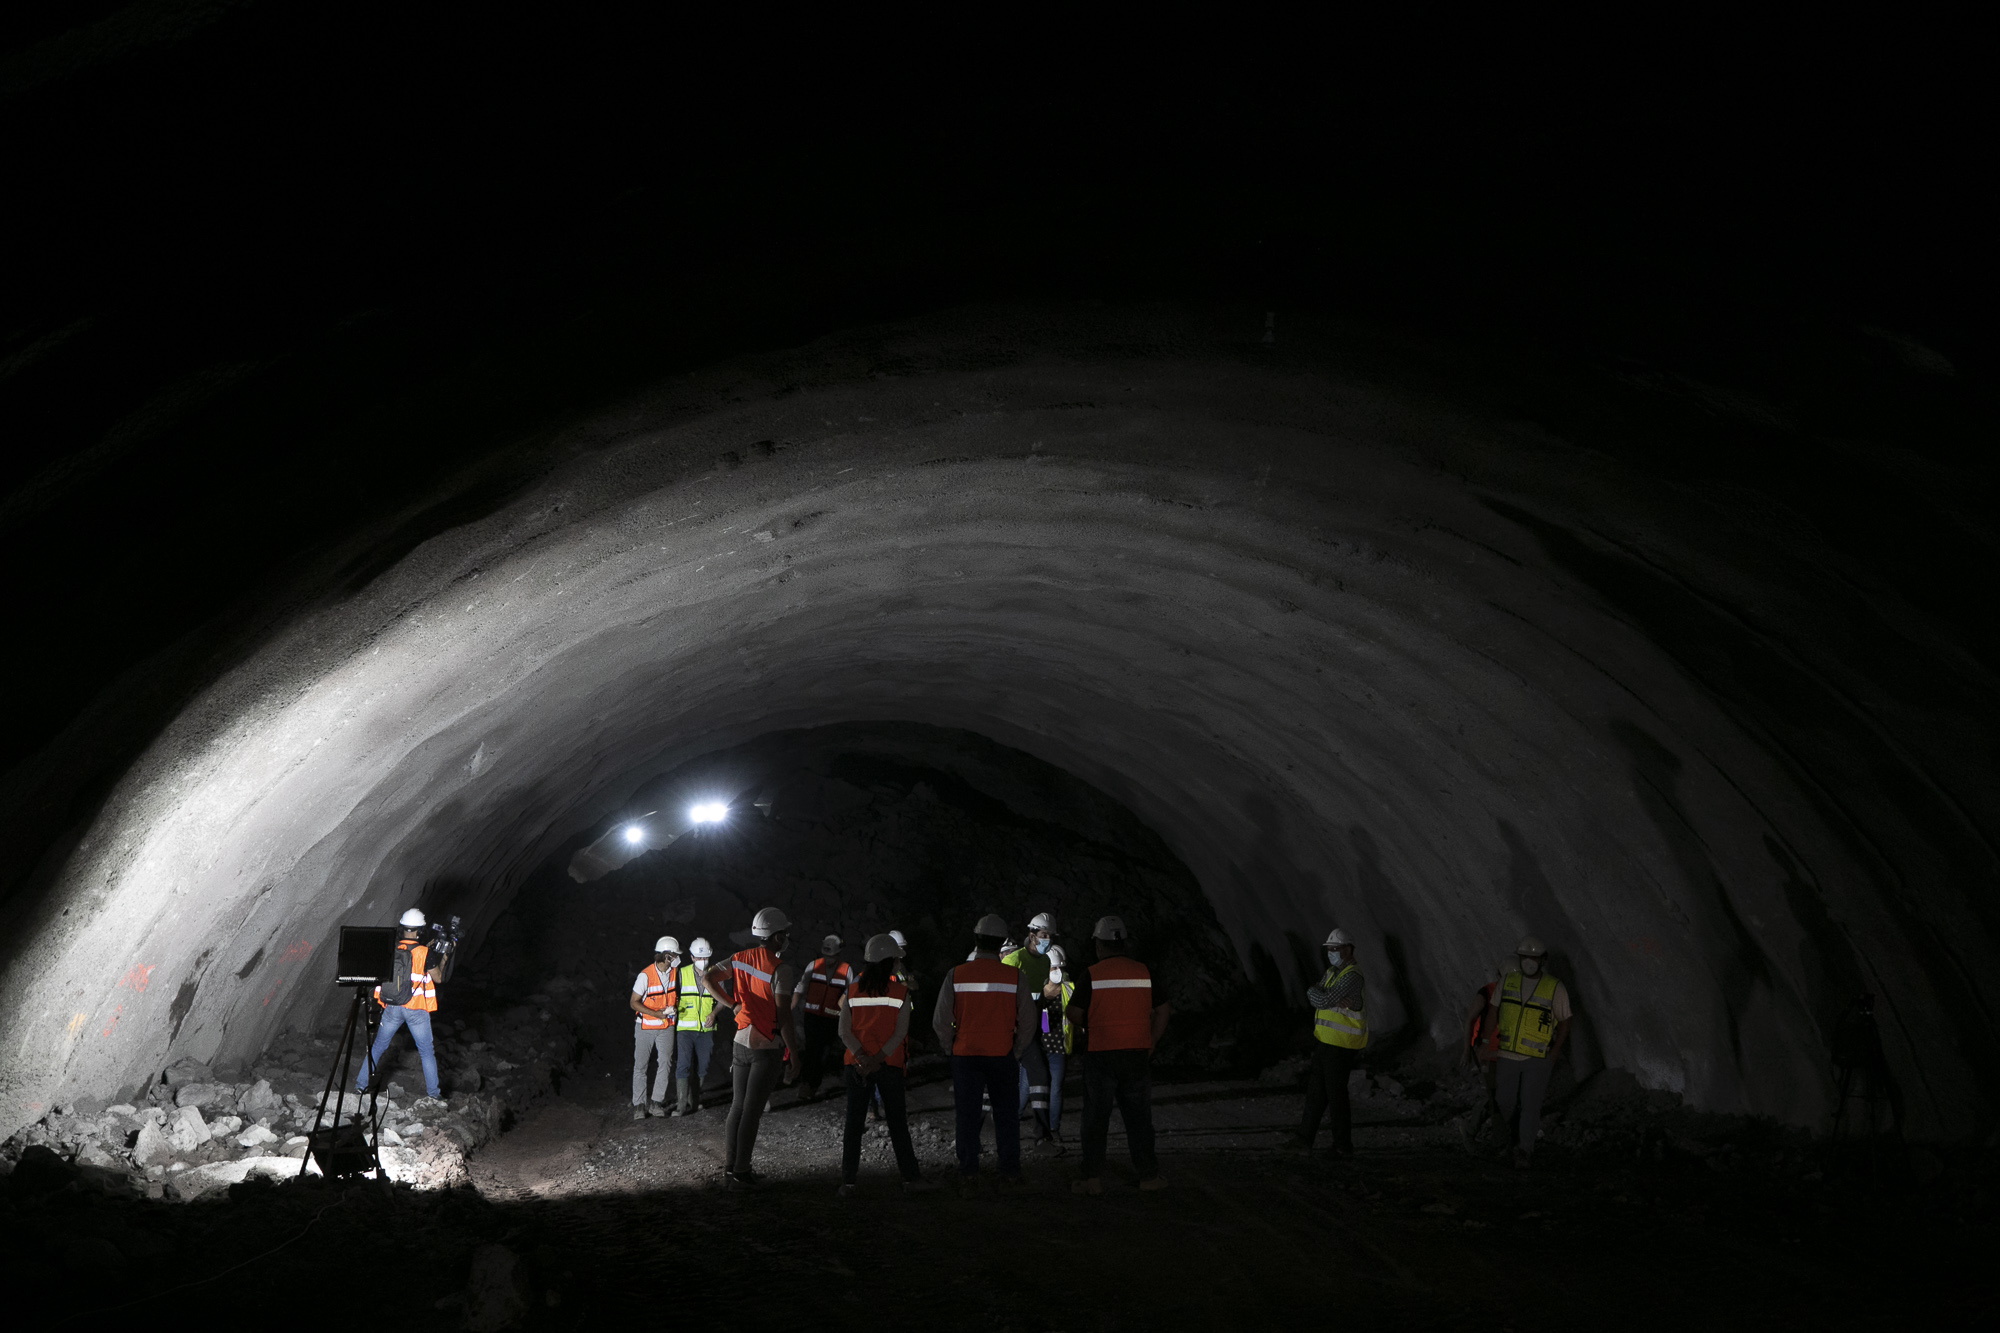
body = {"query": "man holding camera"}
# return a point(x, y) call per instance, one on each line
point(410, 1001)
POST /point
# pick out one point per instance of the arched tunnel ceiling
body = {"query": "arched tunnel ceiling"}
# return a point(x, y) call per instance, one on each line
point(1361, 649)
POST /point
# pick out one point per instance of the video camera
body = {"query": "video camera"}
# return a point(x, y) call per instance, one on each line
point(444, 936)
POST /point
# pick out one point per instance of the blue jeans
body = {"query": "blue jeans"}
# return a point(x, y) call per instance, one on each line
point(1056, 1062)
point(694, 1052)
point(998, 1076)
point(419, 1023)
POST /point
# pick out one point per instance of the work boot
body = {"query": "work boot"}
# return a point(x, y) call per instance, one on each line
point(1094, 1185)
point(639, 1111)
point(657, 1109)
point(1152, 1183)
point(1050, 1145)
point(681, 1098)
point(1523, 1159)
point(921, 1186)
point(844, 1192)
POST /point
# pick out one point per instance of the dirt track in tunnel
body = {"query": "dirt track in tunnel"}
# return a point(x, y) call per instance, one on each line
point(587, 1215)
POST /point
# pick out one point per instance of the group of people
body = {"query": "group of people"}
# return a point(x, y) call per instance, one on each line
point(1009, 1016)
point(1517, 1026)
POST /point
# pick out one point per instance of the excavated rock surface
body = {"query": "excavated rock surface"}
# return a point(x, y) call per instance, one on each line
point(1443, 648)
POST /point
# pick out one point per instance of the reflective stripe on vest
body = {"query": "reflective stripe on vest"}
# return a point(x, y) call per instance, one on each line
point(423, 991)
point(1120, 1017)
point(756, 1002)
point(983, 994)
point(873, 1018)
point(1340, 1027)
point(824, 985)
point(1527, 1022)
point(658, 1000)
point(695, 1009)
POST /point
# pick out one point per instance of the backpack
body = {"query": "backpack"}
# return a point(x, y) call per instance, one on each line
point(398, 989)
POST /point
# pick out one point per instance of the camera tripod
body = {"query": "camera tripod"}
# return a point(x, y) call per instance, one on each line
point(348, 1150)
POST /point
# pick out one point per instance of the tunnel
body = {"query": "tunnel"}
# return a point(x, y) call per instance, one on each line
point(590, 481)
point(1356, 649)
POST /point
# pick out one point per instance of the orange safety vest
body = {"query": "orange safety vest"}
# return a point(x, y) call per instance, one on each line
point(873, 1018)
point(825, 980)
point(1475, 1038)
point(983, 997)
point(659, 999)
point(423, 991)
point(1120, 1017)
point(755, 991)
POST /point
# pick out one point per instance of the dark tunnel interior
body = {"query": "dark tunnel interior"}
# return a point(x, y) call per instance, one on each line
point(1201, 490)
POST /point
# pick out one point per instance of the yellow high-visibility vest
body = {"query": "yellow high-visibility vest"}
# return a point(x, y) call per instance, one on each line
point(1069, 1030)
point(696, 1011)
point(1527, 1023)
point(1340, 1027)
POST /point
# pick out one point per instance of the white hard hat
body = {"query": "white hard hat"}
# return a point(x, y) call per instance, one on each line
point(1338, 937)
point(700, 949)
point(1109, 928)
point(991, 925)
point(1531, 948)
point(1044, 921)
point(769, 922)
point(666, 944)
point(1056, 956)
point(413, 918)
point(831, 944)
point(880, 947)
point(897, 936)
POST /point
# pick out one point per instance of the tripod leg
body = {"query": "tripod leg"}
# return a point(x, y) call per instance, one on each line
point(343, 1054)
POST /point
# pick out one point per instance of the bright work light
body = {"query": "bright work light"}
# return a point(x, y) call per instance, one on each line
point(634, 833)
point(708, 812)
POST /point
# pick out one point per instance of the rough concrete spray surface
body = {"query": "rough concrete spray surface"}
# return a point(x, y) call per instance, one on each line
point(1358, 654)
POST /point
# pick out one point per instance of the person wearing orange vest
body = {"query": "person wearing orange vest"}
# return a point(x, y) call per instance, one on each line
point(1482, 1051)
point(413, 1013)
point(874, 1026)
point(1118, 1019)
point(655, 1001)
point(759, 986)
point(817, 998)
point(985, 1017)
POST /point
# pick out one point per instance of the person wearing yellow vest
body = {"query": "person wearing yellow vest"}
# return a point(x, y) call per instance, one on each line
point(758, 984)
point(985, 1017)
point(694, 1029)
point(1530, 1015)
point(655, 1001)
point(413, 1013)
point(1119, 1019)
point(817, 999)
point(874, 1026)
point(1032, 958)
point(1340, 1034)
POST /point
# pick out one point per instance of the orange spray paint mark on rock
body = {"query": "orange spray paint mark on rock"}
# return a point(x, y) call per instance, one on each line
point(296, 953)
point(114, 1021)
point(137, 978)
point(269, 993)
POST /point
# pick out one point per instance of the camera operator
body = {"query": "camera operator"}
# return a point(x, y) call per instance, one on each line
point(411, 1001)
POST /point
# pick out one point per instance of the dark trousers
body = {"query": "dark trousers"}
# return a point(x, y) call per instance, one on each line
point(1123, 1079)
point(888, 1081)
point(1035, 1079)
point(823, 1052)
point(1326, 1090)
point(999, 1078)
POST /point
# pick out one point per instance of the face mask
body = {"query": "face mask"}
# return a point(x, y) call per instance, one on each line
point(1042, 946)
point(1530, 966)
point(1332, 958)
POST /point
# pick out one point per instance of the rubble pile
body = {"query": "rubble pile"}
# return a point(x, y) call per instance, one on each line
point(199, 1129)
